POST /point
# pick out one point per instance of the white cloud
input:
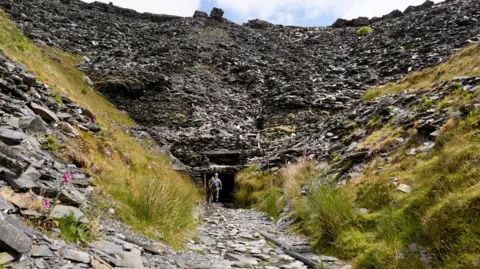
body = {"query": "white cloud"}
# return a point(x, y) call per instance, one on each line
point(184, 8)
point(296, 10)
point(372, 8)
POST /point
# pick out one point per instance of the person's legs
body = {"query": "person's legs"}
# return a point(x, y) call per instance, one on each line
point(217, 192)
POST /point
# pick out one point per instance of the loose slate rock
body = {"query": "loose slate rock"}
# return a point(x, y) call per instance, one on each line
point(44, 112)
point(32, 124)
point(75, 255)
point(126, 259)
point(12, 236)
point(404, 188)
point(26, 181)
point(39, 251)
point(60, 211)
point(11, 137)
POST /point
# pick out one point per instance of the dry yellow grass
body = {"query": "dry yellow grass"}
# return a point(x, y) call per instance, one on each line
point(297, 175)
point(381, 139)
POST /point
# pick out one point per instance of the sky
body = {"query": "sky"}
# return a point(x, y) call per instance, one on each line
point(287, 12)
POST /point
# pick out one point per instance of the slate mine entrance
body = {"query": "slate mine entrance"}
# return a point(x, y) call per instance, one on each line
point(228, 181)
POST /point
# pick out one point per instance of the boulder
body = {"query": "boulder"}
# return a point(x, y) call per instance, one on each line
point(5, 205)
point(64, 116)
point(11, 137)
point(200, 15)
point(44, 112)
point(32, 124)
point(69, 129)
point(12, 236)
point(216, 14)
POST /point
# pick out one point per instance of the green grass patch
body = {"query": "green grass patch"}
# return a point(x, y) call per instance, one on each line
point(52, 143)
point(364, 30)
point(273, 203)
point(254, 186)
point(324, 213)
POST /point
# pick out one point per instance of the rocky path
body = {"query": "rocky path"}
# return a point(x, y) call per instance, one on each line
point(230, 238)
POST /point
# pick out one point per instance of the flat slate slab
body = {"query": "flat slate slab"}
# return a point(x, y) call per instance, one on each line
point(12, 236)
point(60, 211)
point(44, 112)
point(11, 137)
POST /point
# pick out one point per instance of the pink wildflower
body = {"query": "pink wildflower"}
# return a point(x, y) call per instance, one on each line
point(67, 176)
point(46, 204)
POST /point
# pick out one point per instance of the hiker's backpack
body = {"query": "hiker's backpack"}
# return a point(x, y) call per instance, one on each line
point(215, 185)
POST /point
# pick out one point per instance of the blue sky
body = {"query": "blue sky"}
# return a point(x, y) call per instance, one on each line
point(290, 12)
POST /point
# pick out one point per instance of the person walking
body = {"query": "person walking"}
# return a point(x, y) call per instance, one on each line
point(215, 187)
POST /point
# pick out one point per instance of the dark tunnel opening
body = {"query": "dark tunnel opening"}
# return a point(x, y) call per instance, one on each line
point(227, 194)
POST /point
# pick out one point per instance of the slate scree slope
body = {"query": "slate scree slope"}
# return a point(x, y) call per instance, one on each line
point(217, 95)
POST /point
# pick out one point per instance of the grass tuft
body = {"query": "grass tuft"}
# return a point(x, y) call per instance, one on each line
point(52, 143)
point(323, 214)
point(364, 30)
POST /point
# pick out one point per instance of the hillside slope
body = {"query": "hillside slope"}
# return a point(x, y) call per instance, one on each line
point(204, 85)
point(85, 134)
point(406, 191)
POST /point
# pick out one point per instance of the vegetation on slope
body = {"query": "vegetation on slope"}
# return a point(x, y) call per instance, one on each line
point(369, 221)
point(152, 197)
point(255, 188)
point(464, 63)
